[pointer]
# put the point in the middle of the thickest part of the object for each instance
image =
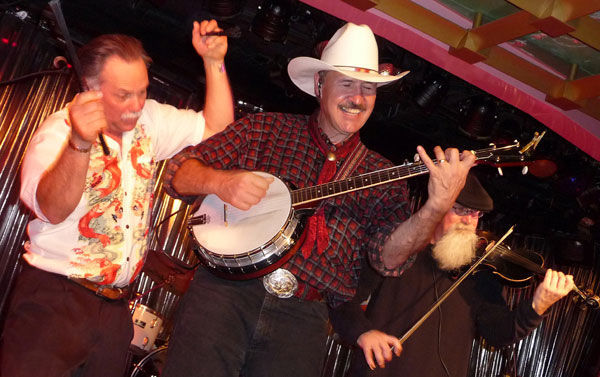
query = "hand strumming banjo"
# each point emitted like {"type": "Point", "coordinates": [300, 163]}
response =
{"type": "Point", "coordinates": [239, 245]}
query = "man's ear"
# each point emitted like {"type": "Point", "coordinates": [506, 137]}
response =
{"type": "Point", "coordinates": [317, 85]}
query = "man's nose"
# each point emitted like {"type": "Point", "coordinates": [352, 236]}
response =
{"type": "Point", "coordinates": [358, 96]}
{"type": "Point", "coordinates": [136, 103]}
{"type": "Point", "coordinates": [139, 102]}
{"type": "Point", "coordinates": [466, 219]}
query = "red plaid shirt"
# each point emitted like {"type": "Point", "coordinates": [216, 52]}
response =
{"type": "Point", "coordinates": [358, 223]}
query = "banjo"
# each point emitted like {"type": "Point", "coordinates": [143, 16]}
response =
{"type": "Point", "coordinates": [238, 245]}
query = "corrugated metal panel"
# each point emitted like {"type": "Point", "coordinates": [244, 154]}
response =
{"type": "Point", "coordinates": [23, 106]}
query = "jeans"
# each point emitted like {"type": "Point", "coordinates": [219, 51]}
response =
{"type": "Point", "coordinates": [235, 329]}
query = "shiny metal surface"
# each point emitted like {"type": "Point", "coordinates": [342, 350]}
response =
{"type": "Point", "coordinates": [23, 106]}
{"type": "Point", "coordinates": [280, 283]}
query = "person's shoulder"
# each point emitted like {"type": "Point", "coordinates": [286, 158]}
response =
{"type": "Point", "coordinates": [270, 120]}
{"type": "Point", "coordinates": [57, 119]}
{"type": "Point", "coordinates": [151, 110]}
{"type": "Point", "coordinates": [152, 106]}
{"type": "Point", "coordinates": [274, 116]}
{"type": "Point", "coordinates": [377, 160]}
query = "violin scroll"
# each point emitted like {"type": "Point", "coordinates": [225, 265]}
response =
{"type": "Point", "coordinates": [586, 298]}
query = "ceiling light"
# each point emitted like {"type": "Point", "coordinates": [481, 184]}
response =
{"type": "Point", "coordinates": [272, 21]}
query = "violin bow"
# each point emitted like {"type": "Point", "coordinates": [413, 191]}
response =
{"type": "Point", "coordinates": [58, 15]}
{"type": "Point", "coordinates": [488, 250]}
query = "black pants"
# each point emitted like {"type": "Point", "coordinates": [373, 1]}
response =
{"type": "Point", "coordinates": [234, 328]}
{"type": "Point", "coordinates": [56, 328]}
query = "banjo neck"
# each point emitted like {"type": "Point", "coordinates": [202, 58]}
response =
{"type": "Point", "coordinates": [308, 195]}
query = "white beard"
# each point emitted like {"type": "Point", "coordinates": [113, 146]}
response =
{"type": "Point", "coordinates": [456, 248]}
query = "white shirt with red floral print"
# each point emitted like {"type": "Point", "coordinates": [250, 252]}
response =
{"type": "Point", "coordinates": [104, 238]}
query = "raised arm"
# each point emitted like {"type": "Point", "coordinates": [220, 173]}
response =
{"type": "Point", "coordinates": [218, 107]}
{"type": "Point", "coordinates": [60, 188]}
{"type": "Point", "coordinates": [446, 180]}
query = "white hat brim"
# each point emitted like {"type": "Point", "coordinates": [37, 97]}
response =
{"type": "Point", "coordinates": [302, 73]}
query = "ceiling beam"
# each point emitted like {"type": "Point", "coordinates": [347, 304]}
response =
{"type": "Point", "coordinates": [423, 19]}
{"type": "Point", "coordinates": [493, 33]}
{"type": "Point", "coordinates": [584, 88]}
{"type": "Point", "coordinates": [522, 70]}
{"type": "Point", "coordinates": [503, 30]}
{"type": "Point", "coordinates": [361, 4]}
{"type": "Point", "coordinates": [592, 108]}
{"type": "Point", "coordinates": [587, 30]}
{"type": "Point", "coordinates": [577, 94]}
{"type": "Point", "coordinates": [553, 15]}
{"type": "Point", "coordinates": [562, 10]}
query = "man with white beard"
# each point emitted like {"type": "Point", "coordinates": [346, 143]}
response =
{"type": "Point", "coordinates": [441, 345]}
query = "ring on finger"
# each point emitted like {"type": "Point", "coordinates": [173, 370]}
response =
{"type": "Point", "coordinates": [442, 160]}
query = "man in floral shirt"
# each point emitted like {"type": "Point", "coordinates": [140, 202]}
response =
{"type": "Point", "coordinates": [69, 314]}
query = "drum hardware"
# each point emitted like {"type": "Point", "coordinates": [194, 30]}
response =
{"type": "Point", "coordinates": [150, 365]}
{"type": "Point", "coordinates": [146, 325]}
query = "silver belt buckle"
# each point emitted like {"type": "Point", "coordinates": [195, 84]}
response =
{"type": "Point", "coordinates": [280, 283]}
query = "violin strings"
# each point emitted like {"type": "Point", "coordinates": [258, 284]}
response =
{"type": "Point", "coordinates": [518, 259]}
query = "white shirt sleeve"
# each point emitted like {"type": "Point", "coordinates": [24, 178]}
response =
{"type": "Point", "coordinates": [42, 152]}
{"type": "Point", "coordinates": [172, 129]}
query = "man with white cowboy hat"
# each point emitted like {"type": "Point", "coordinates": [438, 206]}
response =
{"type": "Point", "coordinates": [252, 327]}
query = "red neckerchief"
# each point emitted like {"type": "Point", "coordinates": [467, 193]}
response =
{"type": "Point", "coordinates": [317, 226]}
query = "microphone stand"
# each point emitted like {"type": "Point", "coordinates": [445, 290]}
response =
{"type": "Point", "coordinates": [55, 6]}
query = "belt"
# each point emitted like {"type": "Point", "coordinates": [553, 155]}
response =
{"type": "Point", "coordinates": [106, 291]}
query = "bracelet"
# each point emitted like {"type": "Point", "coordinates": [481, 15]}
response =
{"type": "Point", "coordinates": [78, 148]}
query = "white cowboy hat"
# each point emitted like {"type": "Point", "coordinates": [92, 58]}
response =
{"type": "Point", "coordinates": [351, 51]}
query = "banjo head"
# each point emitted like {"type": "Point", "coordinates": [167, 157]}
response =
{"type": "Point", "coordinates": [230, 232]}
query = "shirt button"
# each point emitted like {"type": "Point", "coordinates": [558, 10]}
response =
{"type": "Point", "coordinates": [126, 226]}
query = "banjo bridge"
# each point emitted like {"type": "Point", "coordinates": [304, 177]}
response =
{"type": "Point", "coordinates": [199, 220]}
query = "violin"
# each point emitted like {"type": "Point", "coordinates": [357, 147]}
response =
{"type": "Point", "coordinates": [520, 267]}
{"type": "Point", "coordinates": [494, 250]}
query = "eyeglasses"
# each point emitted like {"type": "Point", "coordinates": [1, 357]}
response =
{"type": "Point", "coordinates": [464, 211]}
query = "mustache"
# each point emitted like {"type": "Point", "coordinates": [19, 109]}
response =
{"type": "Point", "coordinates": [353, 105]}
{"type": "Point", "coordinates": [461, 227]}
{"type": "Point", "coordinates": [131, 115]}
